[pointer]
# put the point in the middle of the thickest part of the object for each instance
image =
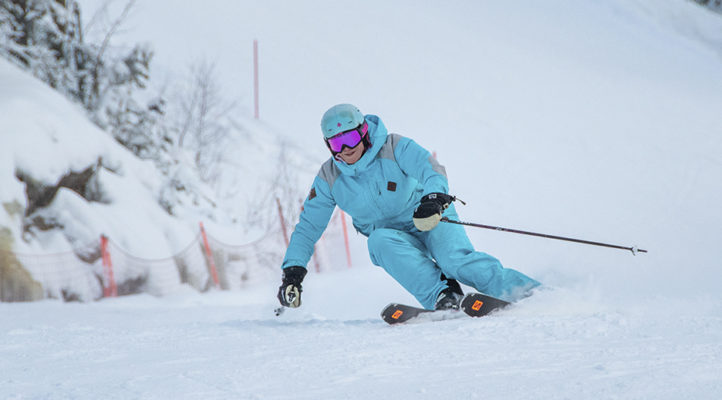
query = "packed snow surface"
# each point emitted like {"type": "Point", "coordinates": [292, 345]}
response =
{"type": "Point", "coordinates": [594, 119]}
{"type": "Point", "coordinates": [229, 345]}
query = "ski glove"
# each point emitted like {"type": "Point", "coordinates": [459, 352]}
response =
{"type": "Point", "coordinates": [289, 293]}
{"type": "Point", "coordinates": [428, 214]}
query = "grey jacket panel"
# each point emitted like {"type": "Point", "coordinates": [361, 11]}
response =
{"type": "Point", "coordinates": [438, 168]}
{"type": "Point", "coordinates": [387, 151]}
{"type": "Point", "coordinates": [329, 172]}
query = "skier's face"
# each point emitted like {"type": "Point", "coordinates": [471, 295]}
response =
{"type": "Point", "coordinates": [351, 155]}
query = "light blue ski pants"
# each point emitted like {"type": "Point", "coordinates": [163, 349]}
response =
{"type": "Point", "coordinates": [417, 259]}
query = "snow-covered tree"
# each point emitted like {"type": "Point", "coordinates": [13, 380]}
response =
{"type": "Point", "coordinates": [201, 120]}
{"type": "Point", "coordinates": [46, 37]}
{"type": "Point", "coordinates": [712, 4]}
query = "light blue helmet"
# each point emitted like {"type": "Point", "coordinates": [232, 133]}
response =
{"type": "Point", "coordinates": [340, 118]}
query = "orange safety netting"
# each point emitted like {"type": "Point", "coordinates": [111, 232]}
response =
{"type": "Point", "coordinates": [89, 273]}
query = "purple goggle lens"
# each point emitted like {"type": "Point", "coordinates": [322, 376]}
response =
{"type": "Point", "coordinates": [349, 138]}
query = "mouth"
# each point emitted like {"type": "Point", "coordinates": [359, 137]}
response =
{"type": "Point", "coordinates": [350, 152]}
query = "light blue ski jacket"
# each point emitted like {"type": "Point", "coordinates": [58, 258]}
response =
{"type": "Point", "coordinates": [380, 190]}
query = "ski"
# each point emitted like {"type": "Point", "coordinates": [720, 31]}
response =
{"type": "Point", "coordinates": [396, 313]}
{"type": "Point", "coordinates": [479, 304]}
{"type": "Point", "coordinates": [473, 305]}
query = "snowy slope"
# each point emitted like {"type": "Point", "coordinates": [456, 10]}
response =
{"type": "Point", "coordinates": [226, 345]}
{"type": "Point", "coordinates": [597, 119]}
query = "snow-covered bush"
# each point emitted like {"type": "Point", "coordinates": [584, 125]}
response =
{"type": "Point", "coordinates": [715, 5]}
{"type": "Point", "coordinates": [46, 38]}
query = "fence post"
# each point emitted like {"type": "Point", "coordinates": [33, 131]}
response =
{"type": "Point", "coordinates": [110, 289]}
{"type": "Point", "coordinates": [283, 221]}
{"type": "Point", "coordinates": [345, 238]}
{"type": "Point", "coordinates": [209, 256]}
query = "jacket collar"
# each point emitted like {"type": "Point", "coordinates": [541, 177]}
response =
{"type": "Point", "coordinates": [377, 136]}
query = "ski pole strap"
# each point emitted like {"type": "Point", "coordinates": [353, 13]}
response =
{"type": "Point", "coordinates": [633, 249]}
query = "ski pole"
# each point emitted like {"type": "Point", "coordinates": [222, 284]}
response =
{"type": "Point", "coordinates": [633, 249]}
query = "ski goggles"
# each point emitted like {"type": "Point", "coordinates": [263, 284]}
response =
{"type": "Point", "coordinates": [350, 138]}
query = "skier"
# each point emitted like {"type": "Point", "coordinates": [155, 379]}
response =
{"type": "Point", "coordinates": [396, 194]}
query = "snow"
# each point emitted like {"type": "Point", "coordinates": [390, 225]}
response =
{"type": "Point", "coordinates": [222, 345]}
{"type": "Point", "coordinates": [592, 119]}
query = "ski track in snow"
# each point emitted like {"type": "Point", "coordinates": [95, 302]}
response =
{"type": "Point", "coordinates": [230, 345]}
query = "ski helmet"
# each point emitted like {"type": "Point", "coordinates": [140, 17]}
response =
{"type": "Point", "coordinates": [340, 118]}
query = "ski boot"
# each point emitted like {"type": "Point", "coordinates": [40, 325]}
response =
{"type": "Point", "coordinates": [448, 300]}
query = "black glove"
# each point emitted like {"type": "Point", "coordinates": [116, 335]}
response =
{"type": "Point", "coordinates": [289, 293]}
{"type": "Point", "coordinates": [428, 214]}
